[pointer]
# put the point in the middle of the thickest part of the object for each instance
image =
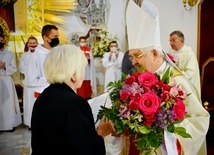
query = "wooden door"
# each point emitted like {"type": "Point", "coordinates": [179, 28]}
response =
{"type": "Point", "coordinates": [206, 62]}
{"type": "Point", "coordinates": [206, 50]}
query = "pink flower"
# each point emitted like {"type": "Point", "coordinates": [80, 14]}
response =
{"type": "Point", "coordinates": [174, 91]}
{"type": "Point", "coordinates": [182, 93]}
{"type": "Point", "coordinates": [171, 57]}
{"type": "Point", "coordinates": [133, 105]}
{"type": "Point", "coordinates": [149, 103]}
{"type": "Point", "coordinates": [147, 79]}
{"type": "Point", "coordinates": [179, 109]}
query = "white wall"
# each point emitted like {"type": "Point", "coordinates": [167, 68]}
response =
{"type": "Point", "coordinates": [173, 16]}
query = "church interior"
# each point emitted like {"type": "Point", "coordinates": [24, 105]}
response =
{"type": "Point", "coordinates": [20, 19]}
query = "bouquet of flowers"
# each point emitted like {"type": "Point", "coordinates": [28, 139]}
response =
{"type": "Point", "coordinates": [102, 45]}
{"type": "Point", "coordinates": [144, 106]}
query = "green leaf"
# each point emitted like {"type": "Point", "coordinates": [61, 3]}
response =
{"type": "Point", "coordinates": [171, 128]}
{"type": "Point", "coordinates": [166, 76]}
{"type": "Point", "coordinates": [143, 130]}
{"type": "Point", "coordinates": [182, 132]}
{"type": "Point", "coordinates": [119, 127]}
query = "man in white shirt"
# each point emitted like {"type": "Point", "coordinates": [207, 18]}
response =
{"type": "Point", "coordinates": [35, 77]}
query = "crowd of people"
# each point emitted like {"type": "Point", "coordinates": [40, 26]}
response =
{"type": "Point", "coordinates": [59, 79]}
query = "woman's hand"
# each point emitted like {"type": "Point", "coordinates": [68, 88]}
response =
{"type": "Point", "coordinates": [106, 128]}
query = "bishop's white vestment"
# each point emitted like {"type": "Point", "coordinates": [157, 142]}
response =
{"type": "Point", "coordinates": [10, 115]}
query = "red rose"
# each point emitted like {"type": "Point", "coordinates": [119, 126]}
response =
{"type": "Point", "coordinates": [179, 109]}
{"type": "Point", "coordinates": [147, 79]}
{"type": "Point", "coordinates": [133, 105]}
{"type": "Point", "coordinates": [130, 80]}
{"type": "Point", "coordinates": [149, 103]}
{"type": "Point", "coordinates": [124, 95]}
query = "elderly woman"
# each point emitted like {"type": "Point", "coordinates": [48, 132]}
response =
{"type": "Point", "coordinates": [62, 121]}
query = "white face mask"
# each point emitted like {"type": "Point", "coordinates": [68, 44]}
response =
{"type": "Point", "coordinates": [113, 49]}
{"type": "Point", "coordinates": [82, 44]}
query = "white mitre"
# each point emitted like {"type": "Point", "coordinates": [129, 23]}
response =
{"type": "Point", "coordinates": [143, 27]}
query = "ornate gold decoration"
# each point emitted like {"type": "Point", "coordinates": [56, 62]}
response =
{"type": "Point", "coordinates": [35, 16]}
{"type": "Point", "coordinates": [206, 105]}
{"type": "Point", "coordinates": [5, 29]}
{"type": "Point", "coordinates": [53, 12]}
{"type": "Point", "coordinates": [190, 2]}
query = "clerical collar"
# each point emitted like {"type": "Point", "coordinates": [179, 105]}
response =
{"type": "Point", "coordinates": [162, 68]}
{"type": "Point", "coordinates": [181, 49]}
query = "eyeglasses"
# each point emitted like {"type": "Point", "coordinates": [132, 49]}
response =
{"type": "Point", "coordinates": [174, 40]}
{"type": "Point", "coordinates": [136, 57]}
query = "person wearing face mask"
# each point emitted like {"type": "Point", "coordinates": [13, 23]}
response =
{"type": "Point", "coordinates": [89, 84]}
{"type": "Point", "coordinates": [34, 77]}
{"type": "Point", "coordinates": [10, 116]}
{"type": "Point", "coordinates": [28, 95]}
{"type": "Point", "coordinates": [112, 61]}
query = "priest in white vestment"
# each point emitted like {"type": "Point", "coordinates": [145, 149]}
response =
{"type": "Point", "coordinates": [35, 77]}
{"type": "Point", "coordinates": [185, 59]}
{"type": "Point", "coordinates": [112, 61]}
{"type": "Point", "coordinates": [10, 115]}
{"type": "Point", "coordinates": [28, 96]}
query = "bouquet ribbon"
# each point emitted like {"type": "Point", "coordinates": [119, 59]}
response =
{"type": "Point", "coordinates": [170, 144]}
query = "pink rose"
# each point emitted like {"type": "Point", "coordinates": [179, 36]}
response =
{"type": "Point", "coordinates": [147, 79]}
{"type": "Point", "coordinates": [133, 105]}
{"type": "Point", "coordinates": [179, 109]}
{"type": "Point", "coordinates": [149, 103]}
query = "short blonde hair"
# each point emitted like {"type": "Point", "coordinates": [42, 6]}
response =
{"type": "Point", "coordinates": [63, 62]}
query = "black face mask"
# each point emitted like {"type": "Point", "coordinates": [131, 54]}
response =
{"type": "Point", "coordinates": [1, 45]}
{"type": "Point", "coordinates": [54, 42]}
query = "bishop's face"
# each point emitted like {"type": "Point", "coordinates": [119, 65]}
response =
{"type": "Point", "coordinates": [142, 61]}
